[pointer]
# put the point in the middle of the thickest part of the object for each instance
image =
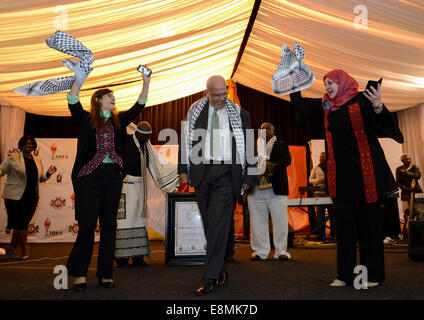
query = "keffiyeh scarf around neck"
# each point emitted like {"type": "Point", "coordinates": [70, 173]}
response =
{"type": "Point", "coordinates": [65, 43]}
{"type": "Point", "coordinates": [233, 111]}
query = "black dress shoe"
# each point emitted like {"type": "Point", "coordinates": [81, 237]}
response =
{"type": "Point", "coordinates": [106, 284]}
{"type": "Point", "coordinates": [256, 258]}
{"type": "Point", "coordinates": [208, 287]}
{"type": "Point", "coordinates": [79, 287]}
{"type": "Point", "coordinates": [223, 279]}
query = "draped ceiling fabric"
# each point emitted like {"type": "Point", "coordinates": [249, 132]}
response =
{"type": "Point", "coordinates": [186, 41]}
{"type": "Point", "coordinates": [389, 45]}
{"type": "Point", "coordinates": [183, 41]}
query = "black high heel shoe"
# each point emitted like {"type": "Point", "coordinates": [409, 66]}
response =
{"type": "Point", "coordinates": [80, 287]}
{"type": "Point", "coordinates": [106, 284]}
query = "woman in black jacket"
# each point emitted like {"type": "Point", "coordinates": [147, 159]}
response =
{"type": "Point", "coordinates": [358, 175]}
{"type": "Point", "coordinates": [97, 179]}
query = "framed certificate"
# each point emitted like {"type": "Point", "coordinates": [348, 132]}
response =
{"type": "Point", "coordinates": [185, 237]}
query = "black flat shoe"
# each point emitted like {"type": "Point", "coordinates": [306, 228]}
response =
{"type": "Point", "coordinates": [208, 287]}
{"type": "Point", "coordinates": [107, 284]}
{"type": "Point", "coordinates": [139, 261]}
{"type": "Point", "coordinates": [223, 279]}
{"type": "Point", "coordinates": [79, 287]}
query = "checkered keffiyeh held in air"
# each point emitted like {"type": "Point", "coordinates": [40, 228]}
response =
{"type": "Point", "coordinates": [65, 43]}
{"type": "Point", "coordinates": [292, 74]}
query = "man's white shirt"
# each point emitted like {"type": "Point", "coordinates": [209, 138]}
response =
{"type": "Point", "coordinates": [223, 134]}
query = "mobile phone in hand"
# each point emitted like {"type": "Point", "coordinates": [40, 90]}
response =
{"type": "Point", "coordinates": [373, 84]}
{"type": "Point", "coordinates": [144, 70]}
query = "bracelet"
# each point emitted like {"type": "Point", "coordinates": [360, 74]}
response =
{"type": "Point", "coordinates": [381, 104]}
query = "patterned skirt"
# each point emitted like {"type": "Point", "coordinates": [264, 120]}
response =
{"type": "Point", "coordinates": [132, 238]}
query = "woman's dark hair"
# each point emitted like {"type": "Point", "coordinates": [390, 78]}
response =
{"type": "Point", "coordinates": [97, 121]}
{"type": "Point", "coordinates": [24, 139]}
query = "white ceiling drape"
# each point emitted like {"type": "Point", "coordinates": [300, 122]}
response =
{"type": "Point", "coordinates": [367, 38]}
{"type": "Point", "coordinates": [183, 41]}
{"type": "Point", "coordinates": [186, 41]}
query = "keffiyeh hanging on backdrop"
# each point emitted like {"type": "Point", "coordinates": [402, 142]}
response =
{"type": "Point", "coordinates": [65, 43]}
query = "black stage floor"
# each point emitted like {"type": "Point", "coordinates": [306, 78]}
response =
{"type": "Point", "coordinates": [306, 277]}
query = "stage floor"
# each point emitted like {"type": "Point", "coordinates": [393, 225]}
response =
{"type": "Point", "coordinates": [306, 277]}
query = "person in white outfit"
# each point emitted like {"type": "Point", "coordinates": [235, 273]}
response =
{"type": "Point", "coordinates": [270, 198]}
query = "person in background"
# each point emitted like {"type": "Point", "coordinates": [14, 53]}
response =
{"type": "Point", "coordinates": [21, 192]}
{"type": "Point", "coordinates": [405, 174]}
{"type": "Point", "coordinates": [97, 179]}
{"type": "Point", "coordinates": [270, 198]}
{"type": "Point", "coordinates": [132, 239]}
{"type": "Point", "coordinates": [317, 179]}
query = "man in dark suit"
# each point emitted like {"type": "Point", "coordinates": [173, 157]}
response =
{"type": "Point", "coordinates": [216, 167]}
{"type": "Point", "coordinates": [270, 197]}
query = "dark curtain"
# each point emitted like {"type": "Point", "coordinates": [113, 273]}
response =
{"type": "Point", "coordinates": [266, 108]}
{"type": "Point", "coordinates": [49, 127]}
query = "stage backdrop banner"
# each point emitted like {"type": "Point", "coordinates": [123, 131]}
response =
{"type": "Point", "coordinates": [54, 220]}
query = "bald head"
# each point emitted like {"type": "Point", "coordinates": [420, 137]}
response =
{"type": "Point", "coordinates": [216, 81]}
{"type": "Point", "coordinates": [216, 91]}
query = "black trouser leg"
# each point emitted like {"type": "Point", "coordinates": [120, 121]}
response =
{"type": "Point", "coordinates": [359, 223]}
{"type": "Point", "coordinates": [370, 237]}
{"type": "Point", "coordinates": [231, 241]}
{"type": "Point", "coordinates": [216, 199]}
{"type": "Point", "coordinates": [109, 204]}
{"type": "Point", "coordinates": [96, 197]}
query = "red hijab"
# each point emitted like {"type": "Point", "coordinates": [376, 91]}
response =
{"type": "Point", "coordinates": [348, 88]}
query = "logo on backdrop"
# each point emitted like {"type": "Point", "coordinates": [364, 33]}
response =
{"type": "Point", "coordinates": [53, 151]}
{"type": "Point", "coordinates": [47, 224]}
{"type": "Point", "coordinates": [33, 229]}
{"type": "Point", "coordinates": [73, 229]}
{"type": "Point", "coordinates": [12, 150]}
{"type": "Point", "coordinates": [47, 231]}
{"type": "Point", "coordinates": [58, 203]}
{"type": "Point", "coordinates": [59, 177]}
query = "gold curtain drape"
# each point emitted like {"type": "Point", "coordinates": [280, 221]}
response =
{"type": "Point", "coordinates": [183, 41]}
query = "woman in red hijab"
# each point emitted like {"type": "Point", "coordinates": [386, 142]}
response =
{"type": "Point", "coordinates": [358, 175]}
